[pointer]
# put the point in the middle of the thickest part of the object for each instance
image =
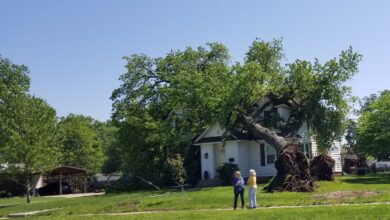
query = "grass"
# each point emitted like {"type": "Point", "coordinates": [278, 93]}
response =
{"type": "Point", "coordinates": [353, 191]}
{"type": "Point", "coordinates": [379, 212]}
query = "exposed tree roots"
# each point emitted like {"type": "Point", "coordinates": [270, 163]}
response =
{"type": "Point", "coordinates": [292, 171]}
{"type": "Point", "coordinates": [321, 167]}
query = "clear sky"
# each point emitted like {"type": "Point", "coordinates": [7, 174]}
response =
{"type": "Point", "coordinates": [74, 48]}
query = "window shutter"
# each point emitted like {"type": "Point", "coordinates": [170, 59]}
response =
{"type": "Point", "coordinates": [262, 155]}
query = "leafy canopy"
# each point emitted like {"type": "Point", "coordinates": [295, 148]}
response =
{"type": "Point", "coordinates": [81, 144]}
{"type": "Point", "coordinates": [164, 102]}
{"type": "Point", "coordinates": [373, 130]}
{"type": "Point", "coordinates": [31, 135]}
{"type": "Point", "coordinates": [27, 123]}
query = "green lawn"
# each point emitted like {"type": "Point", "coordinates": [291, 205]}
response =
{"type": "Point", "coordinates": [346, 189]}
{"type": "Point", "coordinates": [366, 212]}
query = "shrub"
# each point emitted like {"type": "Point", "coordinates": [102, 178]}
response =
{"type": "Point", "coordinates": [226, 172]}
{"type": "Point", "coordinates": [176, 168]}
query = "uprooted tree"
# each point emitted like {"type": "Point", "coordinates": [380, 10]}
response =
{"type": "Point", "coordinates": [167, 101]}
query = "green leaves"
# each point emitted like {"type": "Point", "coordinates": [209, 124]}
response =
{"type": "Point", "coordinates": [31, 128]}
{"type": "Point", "coordinates": [81, 145]}
{"type": "Point", "coordinates": [14, 79]}
{"type": "Point", "coordinates": [373, 130]}
{"type": "Point", "coordinates": [164, 102]}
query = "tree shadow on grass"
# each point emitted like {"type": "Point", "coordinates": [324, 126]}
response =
{"type": "Point", "coordinates": [6, 206]}
{"type": "Point", "coordinates": [372, 179]}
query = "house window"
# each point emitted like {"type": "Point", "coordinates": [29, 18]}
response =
{"type": "Point", "coordinates": [206, 156]}
{"type": "Point", "coordinates": [267, 117]}
{"type": "Point", "coordinates": [231, 160]}
{"type": "Point", "coordinates": [271, 154]}
{"type": "Point", "coordinates": [301, 147]}
{"type": "Point", "coordinates": [306, 149]}
{"type": "Point", "coordinates": [262, 155]}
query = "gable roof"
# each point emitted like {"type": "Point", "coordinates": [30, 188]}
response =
{"type": "Point", "coordinates": [236, 135]}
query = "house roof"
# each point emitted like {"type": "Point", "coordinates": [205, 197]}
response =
{"type": "Point", "coordinates": [64, 169]}
{"type": "Point", "coordinates": [237, 135]}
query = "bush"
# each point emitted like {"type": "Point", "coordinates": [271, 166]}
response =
{"type": "Point", "coordinates": [176, 169]}
{"type": "Point", "coordinates": [226, 172]}
{"type": "Point", "coordinates": [192, 165]}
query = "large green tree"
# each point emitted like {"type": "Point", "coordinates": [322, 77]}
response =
{"type": "Point", "coordinates": [163, 103]}
{"type": "Point", "coordinates": [373, 130]}
{"type": "Point", "coordinates": [27, 126]}
{"type": "Point", "coordinates": [81, 145]}
{"type": "Point", "coordinates": [14, 82]}
{"type": "Point", "coordinates": [31, 146]}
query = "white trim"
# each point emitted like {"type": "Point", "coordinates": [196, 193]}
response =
{"type": "Point", "coordinates": [202, 134]}
{"type": "Point", "coordinates": [218, 142]}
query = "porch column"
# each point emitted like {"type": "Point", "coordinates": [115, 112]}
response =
{"type": "Point", "coordinates": [85, 183]}
{"type": "Point", "coordinates": [60, 183]}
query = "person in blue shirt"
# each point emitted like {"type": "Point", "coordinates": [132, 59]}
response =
{"type": "Point", "coordinates": [239, 188]}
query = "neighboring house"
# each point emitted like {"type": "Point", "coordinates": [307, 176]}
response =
{"type": "Point", "coordinates": [218, 148]}
{"type": "Point", "coordinates": [383, 165]}
{"type": "Point", "coordinates": [106, 179]}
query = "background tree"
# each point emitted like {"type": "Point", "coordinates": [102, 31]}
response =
{"type": "Point", "coordinates": [107, 134]}
{"type": "Point", "coordinates": [179, 95]}
{"type": "Point", "coordinates": [373, 130]}
{"type": "Point", "coordinates": [14, 82]}
{"type": "Point", "coordinates": [81, 144]}
{"type": "Point", "coordinates": [350, 135]}
{"type": "Point", "coordinates": [27, 126]}
{"type": "Point", "coordinates": [31, 147]}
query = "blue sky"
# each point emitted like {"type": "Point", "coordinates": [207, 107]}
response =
{"type": "Point", "coordinates": [74, 48]}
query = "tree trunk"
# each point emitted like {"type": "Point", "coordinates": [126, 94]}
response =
{"type": "Point", "coordinates": [28, 195]}
{"type": "Point", "coordinates": [292, 166]}
{"type": "Point", "coordinates": [261, 132]}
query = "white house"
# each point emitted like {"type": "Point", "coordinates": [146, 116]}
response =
{"type": "Point", "coordinates": [247, 153]}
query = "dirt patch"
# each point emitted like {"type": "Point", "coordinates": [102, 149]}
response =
{"type": "Point", "coordinates": [129, 206]}
{"type": "Point", "coordinates": [346, 194]}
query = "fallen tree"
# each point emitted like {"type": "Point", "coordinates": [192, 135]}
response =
{"type": "Point", "coordinates": [176, 96]}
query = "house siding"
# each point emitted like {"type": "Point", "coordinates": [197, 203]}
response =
{"type": "Point", "coordinates": [246, 154]}
{"type": "Point", "coordinates": [231, 151]}
{"type": "Point", "coordinates": [335, 153]}
{"type": "Point", "coordinates": [254, 160]}
{"type": "Point", "coordinates": [243, 158]}
{"type": "Point", "coordinates": [214, 131]}
{"type": "Point", "coordinates": [314, 148]}
{"type": "Point", "coordinates": [284, 112]}
{"type": "Point", "coordinates": [207, 164]}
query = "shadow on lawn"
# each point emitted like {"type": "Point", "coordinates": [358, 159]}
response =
{"type": "Point", "coordinates": [372, 179]}
{"type": "Point", "coordinates": [5, 206]}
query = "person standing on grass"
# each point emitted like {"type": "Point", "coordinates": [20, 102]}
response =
{"type": "Point", "coordinates": [239, 188]}
{"type": "Point", "coordinates": [252, 186]}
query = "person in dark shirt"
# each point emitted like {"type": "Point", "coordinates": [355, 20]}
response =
{"type": "Point", "coordinates": [239, 188]}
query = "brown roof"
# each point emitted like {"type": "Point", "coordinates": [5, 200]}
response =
{"type": "Point", "coordinates": [64, 169]}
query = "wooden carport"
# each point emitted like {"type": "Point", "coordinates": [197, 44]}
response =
{"type": "Point", "coordinates": [75, 177]}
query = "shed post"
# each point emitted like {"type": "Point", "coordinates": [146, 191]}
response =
{"type": "Point", "coordinates": [60, 183]}
{"type": "Point", "coordinates": [85, 183]}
